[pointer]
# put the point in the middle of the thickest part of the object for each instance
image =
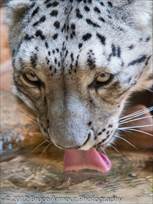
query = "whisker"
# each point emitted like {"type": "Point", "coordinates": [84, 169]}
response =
{"type": "Point", "coordinates": [101, 149]}
{"type": "Point", "coordinates": [30, 117]}
{"type": "Point", "coordinates": [140, 131]}
{"type": "Point", "coordinates": [132, 118]}
{"type": "Point", "coordinates": [45, 149]}
{"type": "Point", "coordinates": [150, 90]}
{"type": "Point", "coordinates": [39, 145]}
{"type": "Point", "coordinates": [128, 121]}
{"type": "Point", "coordinates": [136, 114]}
{"type": "Point", "coordinates": [132, 114]}
{"type": "Point", "coordinates": [132, 145]}
{"type": "Point", "coordinates": [115, 148]}
{"type": "Point", "coordinates": [138, 126]}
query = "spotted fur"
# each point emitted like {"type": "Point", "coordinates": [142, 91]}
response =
{"type": "Point", "coordinates": [67, 44]}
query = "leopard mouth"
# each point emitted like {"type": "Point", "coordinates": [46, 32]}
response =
{"type": "Point", "coordinates": [75, 160]}
{"type": "Point", "coordinates": [93, 159]}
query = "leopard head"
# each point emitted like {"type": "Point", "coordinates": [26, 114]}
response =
{"type": "Point", "coordinates": [77, 62]}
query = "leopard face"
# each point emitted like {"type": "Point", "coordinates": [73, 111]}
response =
{"type": "Point", "coordinates": [76, 62]}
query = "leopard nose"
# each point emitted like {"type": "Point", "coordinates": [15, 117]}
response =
{"type": "Point", "coordinates": [69, 144]}
{"type": "Point", "coordinates": [73, 143]}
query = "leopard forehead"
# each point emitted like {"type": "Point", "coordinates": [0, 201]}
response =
{"type": "Point", "coordinates": [67, 35]}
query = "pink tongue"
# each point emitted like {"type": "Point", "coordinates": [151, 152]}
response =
{"type": "Point", "coordinates": [75, 160]}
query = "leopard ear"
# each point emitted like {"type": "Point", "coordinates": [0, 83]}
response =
{"type": "Point", "coordinates": [136, 12]}
{"type": "Point", "coordinates": [15, 10]}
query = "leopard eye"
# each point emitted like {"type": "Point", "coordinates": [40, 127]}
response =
{"type": "Point", "coordinates": [30, 78]}
{"type": "Point", "coordinates": [102, 80]}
